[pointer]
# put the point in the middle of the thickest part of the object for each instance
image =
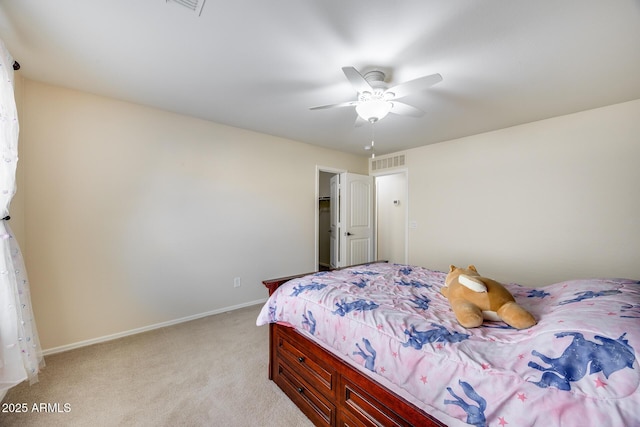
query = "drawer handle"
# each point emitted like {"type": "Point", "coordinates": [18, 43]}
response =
{"type": "Point", "coordinates": [300, 390]}
{"type": "Point", "coordinates": [301, 359]}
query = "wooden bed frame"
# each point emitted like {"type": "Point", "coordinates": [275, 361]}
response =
{"type": "Point", "coordinates": [329, 391]}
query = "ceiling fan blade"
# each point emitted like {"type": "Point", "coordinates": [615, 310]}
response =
{"type": "Point", "coordinates": [342, 104]}
{"type": "Point", "coordinates": [359, 83]}
{"type": "Point", "coordinates": [405, 109]}
{"type": "Point", "coordinates": [416, 85]}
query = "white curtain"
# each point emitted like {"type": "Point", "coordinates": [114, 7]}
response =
{"type": "Point", "coordinates": [20, 352]}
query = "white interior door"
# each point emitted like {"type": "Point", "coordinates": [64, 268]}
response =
{"type": "Point", "coordinates": [356, 215]}
{"type": "Point", "coordinates": [334, 229]}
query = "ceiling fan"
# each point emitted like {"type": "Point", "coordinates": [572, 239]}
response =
{"type": "Point", "coordinates": [376, 100]}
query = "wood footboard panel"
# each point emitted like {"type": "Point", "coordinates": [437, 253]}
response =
{"type": "Point", "coordinates": [328, 390]}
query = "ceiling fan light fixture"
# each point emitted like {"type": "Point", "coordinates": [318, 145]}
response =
{"type": "Point", "coordinates": [373, 110]}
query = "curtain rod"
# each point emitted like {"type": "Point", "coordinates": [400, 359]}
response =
{"type": "Point", "coordinates": [16, 66]}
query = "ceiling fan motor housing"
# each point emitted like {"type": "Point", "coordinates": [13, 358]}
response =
{"type": "Point", "coordinates": [376, 80]}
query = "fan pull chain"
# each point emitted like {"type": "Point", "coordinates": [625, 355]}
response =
{"type": "Point", "coordinates": [373, 142]}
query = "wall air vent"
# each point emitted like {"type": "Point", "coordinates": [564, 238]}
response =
{"type": "Point", "coordinates": [388, 162]}
{"type": "Point", "coordinates": [193, 5]}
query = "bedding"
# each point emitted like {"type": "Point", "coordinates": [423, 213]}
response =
{"type": "Point", "coordinates": [576, 367]}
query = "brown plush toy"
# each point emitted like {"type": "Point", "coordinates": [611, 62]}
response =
{"type": "Point", "coordinates": [474, 298]}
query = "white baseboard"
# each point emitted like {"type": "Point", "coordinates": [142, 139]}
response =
{"type": "Point", "coordinates": [106, 338]}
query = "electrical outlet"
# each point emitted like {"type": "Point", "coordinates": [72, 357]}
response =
{"type": "Point", "coordinates": [236, 282]}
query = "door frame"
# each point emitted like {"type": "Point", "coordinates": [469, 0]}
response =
{"type": "Point", "coordinates": [405, 205]}
{"type": "Point", "coordinates": [316, 222]}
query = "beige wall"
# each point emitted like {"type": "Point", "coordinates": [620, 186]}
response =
{"type": "Point", "coordinates": [535, 204]}
{"type": "Point", "coordinates": [135, 216]}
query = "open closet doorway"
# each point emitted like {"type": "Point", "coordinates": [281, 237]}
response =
{"type": "Point", "coordinates": [326, 232]}
{"type": "Point", "coordinates": [391, 217]}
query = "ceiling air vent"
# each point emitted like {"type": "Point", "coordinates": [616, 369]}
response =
{"type": "Point", "coordinates": [193, 5]}
{"type": "Point", "coordinates": [389, 162]}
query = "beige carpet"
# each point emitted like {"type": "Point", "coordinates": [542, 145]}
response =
{"type": "Point", "coordinates": [207, 372]}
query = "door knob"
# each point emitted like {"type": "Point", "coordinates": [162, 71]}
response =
{"type": "Point", "coordinates": [348, 234]}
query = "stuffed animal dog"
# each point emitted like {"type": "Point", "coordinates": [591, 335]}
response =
{"type": "Point", "coordinates": [474, 298]}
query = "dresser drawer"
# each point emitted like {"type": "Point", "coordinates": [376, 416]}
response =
{"type": "Point", "coordinates": [306, 364]}
{"type": "Point", "coordinates": [364, 410]}
{"type": "Point", "coordinates": [316, 407]}
{"type": "Point", "coordinates": [345, 419]}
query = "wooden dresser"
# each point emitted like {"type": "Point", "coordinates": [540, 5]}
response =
{"type": "Point", "coordinates": [329, 391]}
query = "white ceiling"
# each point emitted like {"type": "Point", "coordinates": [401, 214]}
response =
{"type": "Point", "coordinates": [259, 64]}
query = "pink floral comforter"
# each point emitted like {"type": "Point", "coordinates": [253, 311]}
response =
{"type": "Point", "coordinates": [576, 367]}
